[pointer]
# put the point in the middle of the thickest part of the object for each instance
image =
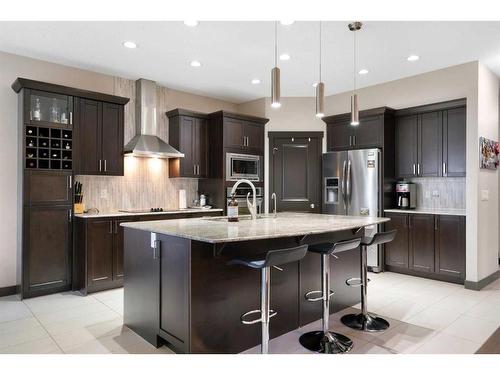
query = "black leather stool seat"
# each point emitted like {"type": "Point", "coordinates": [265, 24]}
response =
{"type": "Point", "coordinates": [379, 238]}
{"type": "Point", "coordinates": [272, 258]}
{"type": "Point", "coordinates": [335, 247]}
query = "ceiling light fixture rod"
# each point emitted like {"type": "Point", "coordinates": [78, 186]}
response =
{"type": "Point", "coordinates": [320, 87]}
{"type": "Point", "coordinates": [355, 26]}
{"type": "Point", "coordinates": [275, 73]}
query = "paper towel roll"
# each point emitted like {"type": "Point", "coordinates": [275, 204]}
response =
{"type": "Point", "coordinates": [182, 199]}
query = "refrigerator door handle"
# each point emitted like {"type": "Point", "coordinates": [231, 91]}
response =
{"type": "Point", "coordinates": [343, 185]}
{"type": "Point", "coordinates": [348, 184]}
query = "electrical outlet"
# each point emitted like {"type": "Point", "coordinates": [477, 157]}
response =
{"type": "Point", "coordinates": [427, 194]}
{"type": "Point", "coordinates": [485, 195]}
{"type": "Point", "coordinates": [104, 193]}
{"type": "Point", "coordinates": [435, 193]}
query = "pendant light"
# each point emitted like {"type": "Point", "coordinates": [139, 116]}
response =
{"type": "Point", "coordinates": [275, 73]}
{"type": "Point", "coordinates": [355, 26]}
{"type": "Point", "coordinates": [320, 87]}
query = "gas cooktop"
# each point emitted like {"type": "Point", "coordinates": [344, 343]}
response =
{"type": "Point", "coordinates": [143, 210]}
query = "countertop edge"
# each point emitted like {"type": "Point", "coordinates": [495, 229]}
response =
{"type": "Point", "coordinates": [430, 211]}
{"type": "Point", "coordinates": [126, 214]}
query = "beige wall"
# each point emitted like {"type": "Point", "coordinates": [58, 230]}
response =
{"type": "Point", "coordinates": [13, 66]}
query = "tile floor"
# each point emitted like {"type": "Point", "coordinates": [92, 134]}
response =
{"type": "Point", "coordinates": [426, 317]}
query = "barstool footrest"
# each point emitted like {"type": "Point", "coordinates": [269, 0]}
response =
{"type": "Point", "coordinates": [320, 298]}
{"type": "Point", "coordinates": [272, 314]}
{"type": "Point", "coordinates": [355, 282]}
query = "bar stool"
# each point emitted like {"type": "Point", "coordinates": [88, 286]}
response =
{"type": "Point", "coordinates": [364, 321]}
{"type": "Point", "coordinates": [325, 341]}
{"type": "Point", "coordinates": [272, 258]}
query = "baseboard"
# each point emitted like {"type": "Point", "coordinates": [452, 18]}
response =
{"type": "Point", "coordinates": [8, 290]}
{"type": "Point", "coordinates": [478, 285]}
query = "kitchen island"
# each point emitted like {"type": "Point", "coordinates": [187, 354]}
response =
{"type": "Point", "coordinates": [180, 292]}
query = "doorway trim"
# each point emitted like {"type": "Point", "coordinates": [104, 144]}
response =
{"type": "Point", "coordinates": [272, 135]}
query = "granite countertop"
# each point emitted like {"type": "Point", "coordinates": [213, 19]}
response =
{"type": "Point", "coordinates": [218, 229]}
{"type": "Point", "coordinates": [431, 211]}
{"type": "Point", "coordinates": [168, 212]}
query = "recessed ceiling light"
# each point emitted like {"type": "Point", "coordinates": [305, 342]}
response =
{"type": "Point", "coordinates": [255, 81]}
{"type": "Point", "coordinates": [284, 57]}
{"type": "Point", "coordinates": [195, 63]}
{"type": "Point", "coordinates": [315, 84]}
{"type": "Point", "coordinates": [413, 58]}
{"type": "Point", "coordinates": [363, 71]}
{"type": "Point", "coordinates": [191, 23]}
{"type": "Point", "coordinates": [287, 22]}
{"type": "Point", "coordinates": [129, 44]}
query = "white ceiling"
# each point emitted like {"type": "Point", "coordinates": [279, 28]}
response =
{"type": "Point", "coordinates": [233, 53]}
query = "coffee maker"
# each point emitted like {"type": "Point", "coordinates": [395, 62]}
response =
{"type": "Point", "coordinates": [406, 195]}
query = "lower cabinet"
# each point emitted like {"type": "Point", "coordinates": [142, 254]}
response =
{"type": "Point", "coordinates": [430, 246]}
{"type": "Point", "coordinates": [47, 250]}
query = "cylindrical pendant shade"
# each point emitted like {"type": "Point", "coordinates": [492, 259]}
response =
{"type": "Point", "coordinates": [275, 87]}
{"type": "Point", "coordinates": [320, 99]}
{"type": "Point", "coordinates": [354, 110]}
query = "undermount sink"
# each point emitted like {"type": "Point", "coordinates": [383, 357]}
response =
{"type": "Point", "coordinates": [240, 218]}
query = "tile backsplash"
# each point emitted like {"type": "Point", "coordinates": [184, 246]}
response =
{"type": "Point", "coordinates": [440, 192]}
{"type": "Point", "coordinates": [145, 183]}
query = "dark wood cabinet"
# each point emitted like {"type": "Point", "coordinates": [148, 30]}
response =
{"type": "Point", "coordinates": [243, 134]}
{"type": "Point", "coordinates": [47, 250]}
{"type": "Point", "coordinates": [450, 246]}
{"type": "Point", "coordinates": [188, 133]}
{"type": "Point", "coordinates": [48, 188]}
{"type": "Point", "coordinates": [430, 246]}
{"type": "Point", "coordinates": [406, 146]}
{"type": "Point", "coordinates": [396, 252]}
{"type": "Point", "coordinates": [99, 134]}
{"type": "Point", "coordinates": [375, 129]}
{"type": "Point", "coordinates": [431, 140]}
{"type": "Point", "coordinates": [454, 142]}
{"type": "Point", "coordinates": [421, 242]}
{"type": "Point", "coordinates": [100, 251]}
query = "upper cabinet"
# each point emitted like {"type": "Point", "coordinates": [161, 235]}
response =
{"type": "Point", "coordinates": [100, 138]}
{"type": "Point", "coordinates": [48, 109]}
{"type": "Point", "coordinates": [374, 130]}
{"type": "Point", "coordinates": [188, 133]}
{"type": "Point", "coordinates": [431, 140]}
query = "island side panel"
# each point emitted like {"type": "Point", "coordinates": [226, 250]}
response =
{"type": "Point", "coordinates": [141, 311]}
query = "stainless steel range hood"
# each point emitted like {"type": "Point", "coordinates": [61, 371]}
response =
{"type": "Point", "coordinates": [145, 142]}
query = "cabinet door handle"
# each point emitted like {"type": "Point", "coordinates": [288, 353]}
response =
{"type": "Point", "coordinates": [31, 115]}
{"type": "Point", "coordinates": [194, 169]}
{"type": "Point", "coordinates": [414, 169]}
{"type": "Point", "coordinates": [198, 169]}
{"type": "Point", "coordinates": [71, 118]}
{"type": "Point", "coordinates": [350, 140]}
{"type": "Point", "coordinates": [354, 140]}
{"type": "Point", "coordinates": [418, 169]}
{"type": "Point", "coordinates": [116, 226]}
{"type": "Point", "coordinates": [156, 250]}
{"type": "Point", "coordinates": [70, 215]}
{"type": "Point", "coordinates": [444, 169]}
{"type": "Point", "coordinates": [105, 165]}
{"type": "Point", "coordinates": [70, 182]}
{"type": "Point", "coordinates": [110, 231]}
{"type": "Point", "coordinates": [409, 221]}
{"type": "Point", "coordinates": [100, 165]}
{"type": "Point", "coordinates": [435, 223]}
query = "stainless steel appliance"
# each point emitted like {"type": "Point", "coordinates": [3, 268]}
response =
{"type": "Point", "coordinates": [241, 197]}
{"type": "Point", "coordinates": [243, 166]}
{"type": "Point", "coordinates": [406, 194]}
{"type": "Point", "coordinates": [352, 185]}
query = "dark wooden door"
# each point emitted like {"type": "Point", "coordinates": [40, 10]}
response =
{"type": "Point", "coordinates": [100, 251]}
{"type": "Point", "coordinates": [396, 252]}
{"type": "Point", "coordinates": [89, 136]}
{"type": "Point", "coordinates": [118, 246]}
{"type": "Point", "coordinates": [233, 133]}
{"type": "Point", "coordinates": [421, 242]}
{"type": "Point", "coordinates": [295, 171]}
{"type": "Point", "coordinates": [200, 142]}
{"type": "Point", "coordinates": [450, 246]}
{"type": "Point", "coordinates": [429, 144]}
{"type": "Point", "coordinates": [47, 244]}
{"type": "Point", "coordinates": [112, 139]}
{"type": "Point", "coordinates": [47, 187]}
{"type": "Point", "coordinates": [406, 145]}
{"type": "Point", "coordinates": [339, 136]}
{"type": "Point", "coordinates": [454, 142]}
{"type": "Point", "coordinates": [369, 132]}
{"type": "Point", "coordinates": [254, 134]}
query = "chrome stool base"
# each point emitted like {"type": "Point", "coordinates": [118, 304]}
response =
{"type": "Point", "coordinates": [329, 343]}
{"type": "Point", "coordinates": [366, 322]}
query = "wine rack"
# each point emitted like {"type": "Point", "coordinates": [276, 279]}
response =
{"type": "Point", "coordinates": [48, 148]}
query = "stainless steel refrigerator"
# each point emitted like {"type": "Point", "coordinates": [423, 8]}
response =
{"type": "Point", "coordinates": [351, 186]}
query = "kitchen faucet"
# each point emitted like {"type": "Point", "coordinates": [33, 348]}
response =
{"type": "Point", "coordinates": [252, 207]}
{"type": "Point", "coordinates": [273, 197]}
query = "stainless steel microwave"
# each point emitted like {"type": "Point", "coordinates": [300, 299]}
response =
{"type": "Point", "coordinates": [240, 166]}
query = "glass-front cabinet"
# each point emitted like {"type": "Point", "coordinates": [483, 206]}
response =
{"type": "Point", "coordinates": [49, 109]}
